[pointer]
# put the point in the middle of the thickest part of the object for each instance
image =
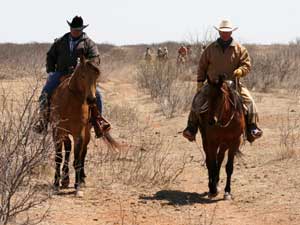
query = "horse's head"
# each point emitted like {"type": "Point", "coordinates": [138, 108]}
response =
{"type": "Point", "coordinates": [84, 79]}
{"type": "Point", "coordinates": [216, 98]}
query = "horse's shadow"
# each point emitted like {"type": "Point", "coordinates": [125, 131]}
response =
{"type": "Point", "coordinates": [48, 188]}
{"type": "Point", "coordinates": [175, 197]}
{"type": "Point", "coordinates": [66, 192]}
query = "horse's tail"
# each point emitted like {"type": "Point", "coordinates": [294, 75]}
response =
{"type": "Point", "coordinates": [110, 141]}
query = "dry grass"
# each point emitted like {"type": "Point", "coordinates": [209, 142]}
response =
{"type": "Point", "coordinates": [146, 158]}
{"type": "Point", "coordinates": [147, 163]}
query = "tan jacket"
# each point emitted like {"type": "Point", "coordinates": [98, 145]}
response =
{"type": "Point", "coordinates": [215, 62]}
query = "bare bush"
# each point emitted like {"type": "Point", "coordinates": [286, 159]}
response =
{"type": "Point", "coordinates": [163, 82]}
{"type": "Point", "coordinates": [273, 67]}
{"type": "Point", "coordinates": [289, 136]}
{"type": "Point", "coordinates": [145, 160]}
{"type": "Point", "coordinates": [21, 153]}
{"type": "Point", "coordinates": [177, 99]}
{"type": "Point", "coordinates": [157, 77]}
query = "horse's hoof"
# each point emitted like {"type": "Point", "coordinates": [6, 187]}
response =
{"type": "Point", "coordinates": [213, 195]}
{"type": "Point", "coordinates": [55, 189]}
{"type": "Point", "coordinates": [64, 185]}
{"type": "Point", "coordinates": [82, 185]}
{"type": "Point", "coordinates": [227, 196]}
{"type": "Point", "coordinates": [79, 194]}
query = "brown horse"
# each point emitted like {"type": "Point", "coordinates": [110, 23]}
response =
{"type": "Point", "coordinates": [222, 129]}
{"type": "Point", "coordinates": [70, 115]}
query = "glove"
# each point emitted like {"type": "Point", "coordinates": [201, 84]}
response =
{"type": "Point", "coordinates": [238, 73]}
{"type": "Point", "coordinates": [199, 86]}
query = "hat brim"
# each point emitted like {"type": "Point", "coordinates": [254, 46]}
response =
{"type": "Point", "coordinates": [77, 28]}
{"type": "Point", "coordinates": [226, 29]}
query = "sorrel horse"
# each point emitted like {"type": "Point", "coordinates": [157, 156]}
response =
{"type": "Point", "coordinates": [70, 115]}
{"type": "Point", "coordinates": [222, 129]}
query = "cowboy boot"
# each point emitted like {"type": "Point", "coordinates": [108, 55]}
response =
{"type": "Point", "coordinates": [43, 118]}
{"type": "Point", "coordinates": [100, 124]}
{"type": "Point", "coordinates": [253, 132]}
{"type": "Point", "coordinates": [188, 134]}
{"type": "Point", "coordinates": [192, 127]}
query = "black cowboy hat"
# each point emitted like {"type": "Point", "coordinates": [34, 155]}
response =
{"type": "Point", "coordinates": [77, 23]}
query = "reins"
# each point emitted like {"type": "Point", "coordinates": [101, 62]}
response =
{"type": "Point", "coordinates": [237, 87]}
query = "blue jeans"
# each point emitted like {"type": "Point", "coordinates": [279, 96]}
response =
{"type": "Point", "coordinates": [99, 101]}
{"type": "Point", "coordinates": [52, 83]}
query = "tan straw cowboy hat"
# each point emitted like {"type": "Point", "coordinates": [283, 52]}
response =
{"type": "Point", "coordinates": [226, 26]}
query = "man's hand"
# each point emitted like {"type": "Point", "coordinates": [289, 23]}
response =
{"type": "Point", "coordinates": [199, 86]}
{"type": "Point", "coordinates": [238, 73]}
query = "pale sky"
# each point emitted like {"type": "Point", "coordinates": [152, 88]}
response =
{"type": "Point", "coordinates": [150, 21]}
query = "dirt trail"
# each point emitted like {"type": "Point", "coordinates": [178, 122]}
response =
{"type": "Point", "coordinates": [266, 190]}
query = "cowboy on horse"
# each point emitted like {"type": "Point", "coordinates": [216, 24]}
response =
{"type": "Point", "coordinates": [160, 54]}
{"type": "Point", "coordinates": [166, 53]}
{"type": "Point", "coordinates": [148, 55]}
{"type": "Point", "coordinates": [224, 56]}
{"type": "Point", "coordinates": [182, 54]}
{"type": "Point", "coordinates": [61, 61]}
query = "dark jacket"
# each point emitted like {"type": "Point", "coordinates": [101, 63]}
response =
{"type": "Point", "coordinates": [60, 58]}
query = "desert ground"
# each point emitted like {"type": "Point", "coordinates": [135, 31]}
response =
{"type": "Point", "coordinates": [159, 177]}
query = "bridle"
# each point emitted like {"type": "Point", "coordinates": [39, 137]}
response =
{"type": "Point", "coordinates": [234, 104]}
{"type": "Point", "coordinates": [75, 92]}
{"type": "Point", "coordinates": [222, 112]}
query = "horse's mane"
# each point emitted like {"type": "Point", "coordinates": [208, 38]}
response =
{"type": "Point", "coordinates": [228, 88]}
{"type": "Point", "coordinates": [234, 96]}
{"type": "Point", "coordinates": [94, 65]}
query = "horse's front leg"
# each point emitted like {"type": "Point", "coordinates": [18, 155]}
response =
{"type": "Point", "coordinates": [58, 161]}
{"type": "Point", "coordinates": [65, 176]}
{"type": "Point", "coordinates": [83, 155]}
{"type": "Point", "coordinates": [78, 148]}
{"type": "Point", "coordinates": [211, 163]}
{"type": "Point", "coordinates": [220, 158]}
{"type": "Point", "coordinates": [82, 173]}
{"type": "Point", "coordinates": [229, 169]}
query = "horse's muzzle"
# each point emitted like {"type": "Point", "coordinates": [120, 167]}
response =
{"type": "Point", "coordinates": [91, 100]}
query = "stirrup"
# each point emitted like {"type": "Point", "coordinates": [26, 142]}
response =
{"type": "Point", "coordinates": [253, 133]}
{"type": "Point", "coordinates": [188, 135]}
{"type": "Point", "coordinates": [101, 126]}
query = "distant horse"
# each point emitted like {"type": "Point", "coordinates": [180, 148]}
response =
{"type": "Point", "coordinates": [70, 114]}
{"type": "Point", "coordinates": [222, 129]}
{"type": "Point", "coordinates": [148, 57]}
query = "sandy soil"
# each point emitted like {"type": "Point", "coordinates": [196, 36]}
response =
{"type": "Point", "coordinates": [264, 186]}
